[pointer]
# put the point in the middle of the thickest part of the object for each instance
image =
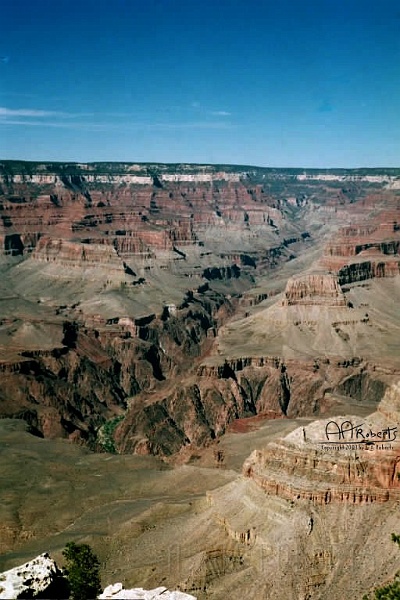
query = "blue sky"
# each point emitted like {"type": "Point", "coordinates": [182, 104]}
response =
{"type": "Point", "coordinates": [286, 84]}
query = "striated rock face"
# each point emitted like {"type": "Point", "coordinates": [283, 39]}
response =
{"type": "Point", "coordinates": [367, 249]}
{"type": "Point", "coordinates": [200, 410]}
{"type": "Point", "coordinates": [122, 275]}
{"type": "Point", "coordinates": [106, 362]}
{"type": "Point", "coordinates": [389, 180]}
{"type": "Point", "coordinates": [311, 289]}
{"type": "Point", "coordinates": [38, 578]}
{"type": "Point", "coordinates": [161, 593]}
{"type": "Point", "coordinates": [75, 255]}
{"type": "Point", "coordinates": [135, 214]}
{"type": "Point", "coordinates": [118, 279]}
{"type": "Point", "coordinates": [277, 386]}
{"type": "Point", "coordinates": [345, 459]}
{"type": "Point", "coordinates": [117, 373]}
{"type": "Point", "coordinates": [359, 271]}
{"type": "Point", "coordinates": [324, 477]}
{"type": "Point", "coordinates": [191, 415]}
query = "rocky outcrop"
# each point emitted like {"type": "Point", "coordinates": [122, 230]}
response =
{"type": "Point", "coordinates": [325, 477]}
{"type": "Point", "coordinates": [77, 255]}
{"type": "Point", "coordinates": [367, 249]}
{"type": "Point", "coordinates": [360, 271]}
{"type": "Point", "coordinates": [129, 211]}
{"type": "Point", "coordinates": [117, 592]}
{"type": "Point", "coordinates": [192, 415]}
{"type": "Point", "coordinates": [38, 578]}
{"type": "Point", "coordinates": [106, 362]}
{"type": "Point", "coordinates": [221, 272]}
{"type": "Point", "coordinates": [270, 383]}
{"type": "Point", "coordinates": [38, 390]}
{"type": "Point", "coordinates": [41, 578]}
{"type": "Point", "coordinates": [202, 408]}
{"type": "Point", "coordinates": [211, 566]}
{"type": "Point", "coordinates": [312, 289]}
{"type": "Point", "coordinates": [54, 179]}
{"type": "Point", "coordinates": [390, 181]}
{"type": "Point", "coordinates": [340, 459]}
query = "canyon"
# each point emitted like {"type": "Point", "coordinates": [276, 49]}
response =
{"type": "Point", "coordinates": [185, 333]}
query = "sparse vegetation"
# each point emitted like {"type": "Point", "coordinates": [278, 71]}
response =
{"type": "Point", "coordinates": [82, 571]}
{"type": "Point", "coordinates": [105, 434]}
{"type": "Point", "coordinates": [391, 591]}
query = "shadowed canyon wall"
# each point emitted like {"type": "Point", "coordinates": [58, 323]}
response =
{"type": "Point", "coordinates": [118, 279]}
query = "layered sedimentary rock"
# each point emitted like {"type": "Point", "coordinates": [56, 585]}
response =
{"type": "Point", "coordinates": [118, 266]}
{"type": "Point", "coordinates": [105, 362]}
{"type": "Point", "coordinates": [389, 180]}
{"type": "Point", "coordinates": [367, 269]}
{"type": "Point", "coordinates": [319, 289]}
{"type": "Point", "coordinates": [135, 214]}
{"type": "Point", "coordinates": [71, 254]}
{"type": "Point", "coordinates": [121, 277]}
{"type": "Point", "coordinates": [367, 249]}
{"type": "Point", "coordinates": [341, 459]}
{"type": "Point", "coordinates": [324, 477]}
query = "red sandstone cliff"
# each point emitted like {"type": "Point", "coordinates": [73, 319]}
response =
{"type": "Point", "coordinates": [368, 249]}
{"type": "Point", "coordinates": [311, 289]}
{"type": "Point", "coordinates": [361, 465]}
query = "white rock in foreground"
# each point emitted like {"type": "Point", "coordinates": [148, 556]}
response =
{"type": "Point", "coordinates": [34, 577]}
{"type": "Point", "coordinates": [117, 592]}
{"type": "Point", "coordinates": [41, 575]}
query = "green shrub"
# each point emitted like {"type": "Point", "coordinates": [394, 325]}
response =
{"type": "Point", "coordinates": [105, 434]}
{"type": "Point", "coordinates": [82, 571]}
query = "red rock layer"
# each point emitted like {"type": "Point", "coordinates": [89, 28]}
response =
{"type": "Point", "coordinates": [314, 289]}
{"type": "Point", "coordinates": [132, 218]}
{"type": "Point", "coordinates": [293, 472]}
{"type": "Point", "coordinates": [369, 249]}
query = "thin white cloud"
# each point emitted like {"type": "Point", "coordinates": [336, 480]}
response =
{"type": "Point", "coordinates": [58, 124]}
{"type": "Point", "coordinates": [107, 126]}
{"type": "Point", "coordinates": [27, 112]}
{"type": "Point", "coordinates": [214, 113]}
{"type": "Point", "coordinates": [220, 113]}
{"type": "Point", "coordinates": [36, 113]}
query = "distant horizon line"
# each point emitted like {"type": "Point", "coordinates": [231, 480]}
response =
{"type": "Point", "coordinates": [193, 164]}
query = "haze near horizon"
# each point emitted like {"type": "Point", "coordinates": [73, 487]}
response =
{"type": "Point", "coordinates": [294, 84]}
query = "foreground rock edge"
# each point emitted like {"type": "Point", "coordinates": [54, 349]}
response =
{"type": "Point", "coordinates": [41, 578]}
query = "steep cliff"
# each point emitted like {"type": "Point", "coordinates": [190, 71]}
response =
{"type": "Point", "coordinates": [117, 280]}
{"type": "Point", "coordinates": [98, 366]}
{"type": "Point", "coordinates": [311, 289]}
{"type": "Point", "coordinates": [367, 249]}
{"type": "Point", "coordinates": [131, 213]}
{"type": "Point", "coordinates": [340, 459]}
